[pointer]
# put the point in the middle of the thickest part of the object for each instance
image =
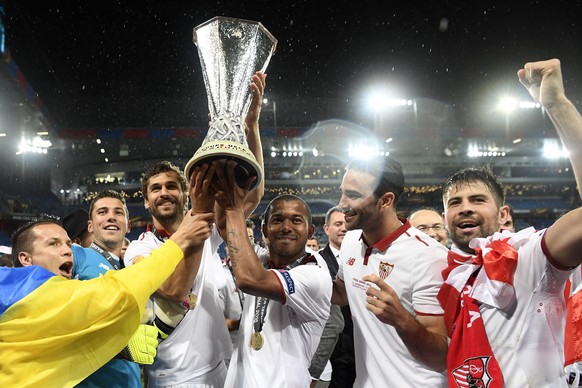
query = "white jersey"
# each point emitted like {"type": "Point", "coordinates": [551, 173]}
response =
{"type": "Point", "coordinates": [527, 338]}
{"type": "Point", "coordinates": [291, 331]}
{"type": "Point", "coordinates": [411, 263]}
{"type": "Point", "coordinates": [200, 343]}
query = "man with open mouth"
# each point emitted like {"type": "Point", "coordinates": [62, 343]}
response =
{"type": "Point", "coordinates": [54, 332]}
{"type": "Point", "coordinates": [503, 293]}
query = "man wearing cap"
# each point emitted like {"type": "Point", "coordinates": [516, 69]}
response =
{"type": "Point", "coordinates": [391, 269]}
{"type": "Point", "coordinates": [75, 223]}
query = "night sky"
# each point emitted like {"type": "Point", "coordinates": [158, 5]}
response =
{"type": "Point", "coordinates": [100, 63]}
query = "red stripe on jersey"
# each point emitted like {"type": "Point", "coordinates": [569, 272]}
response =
{"type": "Point", "coordinates": [427, 314]}
{"type": "Point", "coordinates": [421, 240]}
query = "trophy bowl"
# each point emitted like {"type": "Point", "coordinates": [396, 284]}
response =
{"type": "Point", "coordinates": [230, 51]}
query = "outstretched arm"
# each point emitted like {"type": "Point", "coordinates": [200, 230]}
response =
{"type": "Point", "coordinates": [544, 82]}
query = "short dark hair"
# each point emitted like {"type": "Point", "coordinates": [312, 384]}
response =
{"type": "Point", "coordinates": [286, 198]}
{"type": "Point", "coordinates": [388, 172]}
{"type": "Point", "coordinates": [477, 175]}
{"type": "Point", "coordinates": [6, 260]}
{"type": "Point", "coordinates": [23, 239]}
{"type": "Point", "coordinates": [107, 194]}
{"type": "Point", "coordinates": [159, 168]}
{"type": "Point", "coordinates": [330, 212]}
{"type": "Point", "coordinates": [250, 223]}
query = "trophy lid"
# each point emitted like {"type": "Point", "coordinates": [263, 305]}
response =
{"type": "Point", "coordinates": [240, 21]}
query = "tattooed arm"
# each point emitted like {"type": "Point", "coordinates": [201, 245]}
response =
{"type": "Point", "coordinates": [251, 276]}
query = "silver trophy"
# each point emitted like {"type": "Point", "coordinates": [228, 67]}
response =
{"type": "Point", "coordinates": [230, 51]}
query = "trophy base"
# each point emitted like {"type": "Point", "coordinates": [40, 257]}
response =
{"type": "Point", "coordinates": [246, 163]}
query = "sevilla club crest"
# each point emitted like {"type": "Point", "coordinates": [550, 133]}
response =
{"type": "Point", "coordinates": [385, 269]}
{"type": "Point", "coordinates": [473, 373]}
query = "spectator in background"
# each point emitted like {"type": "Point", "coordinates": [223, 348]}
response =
{"type": "Point", "coordinates": [251, 230]}
{"type": "Point", "coordinates": [259, 250]}
{"type": "Point", "coordinates": [509, 224]}
{"type": "Point", "coordinates": [313, 244]}
{"type": "Point", "coordinates": [429, 221]}
{"type": "Point", "coordinates": [333, 340]}
{"type": "Point", "coordinates": [6, 260]}
{"type": "Point", "coordinates": [123, 250]}
{"type": "Point", "coordinates": [335, 229]}
{"type": "Point", "coordinates": [76, 225]}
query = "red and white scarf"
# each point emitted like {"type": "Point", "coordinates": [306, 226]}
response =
{"type": "Point", "coordinates": [484, 278]}
{"type": "Point", "coordinates": [573, 332]}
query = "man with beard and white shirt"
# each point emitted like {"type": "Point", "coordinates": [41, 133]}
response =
{"type": "Point", "coordinates": [390, 274]}
{"type": "Point", "coordinates": [194, 352]}
{"type": "Point", "coordinates": [506, 322]}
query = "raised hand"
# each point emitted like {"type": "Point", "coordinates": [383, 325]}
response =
{"type": "Point", "coordinates": [543, 80]}
{"type": "Point", "coordinates": [201, 192]}
{"type": "Point", "coordinates": [229, 195]}
{"type": "Point", "coordinates": [257, 88]}
{"type": "Point", "coordinates": [194, 229]}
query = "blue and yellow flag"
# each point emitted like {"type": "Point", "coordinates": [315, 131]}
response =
{"type": "Point", "coordinates": [16, 283]}
{"type": "Point", "coordinates": [63, 330]}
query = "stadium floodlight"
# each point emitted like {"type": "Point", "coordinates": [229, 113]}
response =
{"type": "Point", "coordinates": [553, 149]}
{"type": "Point", "coordinates": [364, 151]}
{"type": "Point", "coordinates": [36, 145]}
{"type": "Point", "coordinates": [508, 104]}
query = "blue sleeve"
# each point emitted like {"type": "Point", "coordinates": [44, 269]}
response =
{"type": "Point", "coordinates": [79, 261]}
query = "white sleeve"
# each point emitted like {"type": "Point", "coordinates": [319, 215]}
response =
{"type": "Point", "coordinates": [428, 279]}
{"type": "Point", "coordinates": [139, 248]}
{"type": "Point", "coordinates": [215, 239]}
{"type": "Point", "coordinates": [307, 291]}
{"type": "Point", "coordinates": [533, 267]}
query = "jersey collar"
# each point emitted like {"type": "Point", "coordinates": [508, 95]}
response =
{"type": "Point", "coordinates": [383, 244]}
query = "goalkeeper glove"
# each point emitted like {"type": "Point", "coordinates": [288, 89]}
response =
{"type": "Point", "coordinates": [142, 346]}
